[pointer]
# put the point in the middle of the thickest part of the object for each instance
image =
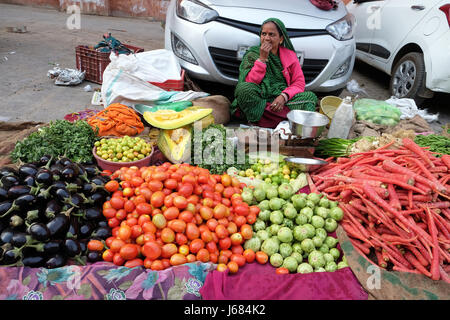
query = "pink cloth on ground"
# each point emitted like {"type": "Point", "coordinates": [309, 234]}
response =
{"type": "Point", "coordinates": [260, 282]}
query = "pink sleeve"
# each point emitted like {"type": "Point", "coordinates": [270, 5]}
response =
{"type": "Point", "coordinates": [297, 84]}
{"type": "Point", "coordinates": [257, 73]}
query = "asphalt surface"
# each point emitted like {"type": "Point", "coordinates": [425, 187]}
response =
{"type": "Point", "coordinates": [28, 94]}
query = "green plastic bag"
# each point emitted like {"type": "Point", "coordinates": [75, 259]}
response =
{"type": "Point", "coordinates": [176, 106]}
{"type": "Point", "coordinates": [377, 111]}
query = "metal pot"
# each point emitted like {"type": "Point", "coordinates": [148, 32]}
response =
{"type": "Point", "coordinates": [307, 124]}
{"type": "Point", "coordinates": [305, 164]}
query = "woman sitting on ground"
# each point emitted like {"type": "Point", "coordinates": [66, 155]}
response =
{"type": "Point", "coordinates": [271, 81]}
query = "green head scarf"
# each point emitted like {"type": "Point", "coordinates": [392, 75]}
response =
{"type": "Point", "coordinates": [286, 41]}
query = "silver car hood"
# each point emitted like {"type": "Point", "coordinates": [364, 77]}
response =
{"type": "Point", "coordinates": [286, 10]}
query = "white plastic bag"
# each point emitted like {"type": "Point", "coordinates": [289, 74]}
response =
{"type": "Point", "coordinates": [409, 109]}
{"type": "Point", "coordinates": [154, 66]}
{"type": "Point", "coordinates": [354, 88]}
{"type": "Point", "coordinates": [121, 84]}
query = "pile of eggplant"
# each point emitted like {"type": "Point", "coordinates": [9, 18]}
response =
{"type": "Point", "coordinates": [49, 210]}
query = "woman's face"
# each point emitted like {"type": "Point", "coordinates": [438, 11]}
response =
{"type": "Point", "coordinates": [270, 34]}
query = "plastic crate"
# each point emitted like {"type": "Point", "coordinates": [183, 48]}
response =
{"type": "Point", "coordinates": [94, 62]}
{"type": "Point", "coordinates": [171, 85]}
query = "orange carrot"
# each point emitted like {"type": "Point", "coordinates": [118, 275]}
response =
{"type": "Point", "coordinates": [416, 149]}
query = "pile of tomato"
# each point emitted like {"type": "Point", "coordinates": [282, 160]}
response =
{"type": "Point", "coordinates": [167, 215]}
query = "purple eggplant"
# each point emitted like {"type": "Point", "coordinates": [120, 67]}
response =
{"type": "Point", "coordinates": [27, 170]}
{"type": "Point", "coordinates": [58, 226]}
{"type": "Point", "coordinates": [39, 231]}
{"type": "Point", "coordinates": [55, 261]}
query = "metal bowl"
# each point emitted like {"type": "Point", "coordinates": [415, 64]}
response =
{"type": "Point", "coordinates": [305, 164]}
{"type": "Point", "coordinates": [307, 124]}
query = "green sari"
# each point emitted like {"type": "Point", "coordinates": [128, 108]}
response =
{"type": "Point", "coordinates": [252, 98]}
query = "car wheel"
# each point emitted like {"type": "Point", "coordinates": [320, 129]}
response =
{"type": "Point", "coordinates": [408, 76]}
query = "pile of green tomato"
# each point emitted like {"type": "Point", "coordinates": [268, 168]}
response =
{"type": "Point", "coordinates": [293, 229]}
{"type": "Point", "coordinates": [270, 171]}
{"type": "Point", "coordinates": [124, 149]}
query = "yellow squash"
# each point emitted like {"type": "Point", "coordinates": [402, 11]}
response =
{"type": "Point", "coordinates": [170, 119]}
{"type": "Point", "coordinates": [175, 144]}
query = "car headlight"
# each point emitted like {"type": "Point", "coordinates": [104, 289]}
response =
{"type": "Point", "coordinates": [343, 28]}
{"type": "Point", "coordinates": [195, 11]}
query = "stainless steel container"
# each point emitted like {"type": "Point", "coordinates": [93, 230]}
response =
{"type": "Point", "coordinates": [307, 124]}
{"type": "Point", "coordinates": [305, 164]}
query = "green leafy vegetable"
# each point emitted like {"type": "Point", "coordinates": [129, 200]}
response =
{"type": "Point", "coordinates": [212, 142]}
{"type": "Point", "coordinates": [73, 140]}
{"type": "Point", "coordinates": [437, 143]}
{"type": "Point", "coordinates": [334, 147]}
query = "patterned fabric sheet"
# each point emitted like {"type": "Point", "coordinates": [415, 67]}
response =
{"type": "Point", "coordinates": [103, 281]}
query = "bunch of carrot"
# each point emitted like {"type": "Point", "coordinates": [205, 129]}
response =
{"type": "Point", "coordinates": [396, 206]}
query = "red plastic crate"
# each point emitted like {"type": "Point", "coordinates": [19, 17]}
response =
{"type": "Point", "coordinates": [94, 62]}
{"type": "Point", "coordinates": [171, 85]}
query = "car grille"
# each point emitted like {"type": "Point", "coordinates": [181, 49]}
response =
{"type": "Point", "coordinates": [227, 63]}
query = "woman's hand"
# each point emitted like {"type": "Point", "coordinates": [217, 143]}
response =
{"type": "Point", "coordinates": [278, 104]}
{"type": "Point", "coordinates": [264, 50]}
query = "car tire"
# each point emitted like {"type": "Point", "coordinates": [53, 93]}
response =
{"type": "Point", "coordinates": [408, 76]}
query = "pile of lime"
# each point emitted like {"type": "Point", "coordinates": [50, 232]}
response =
{"type": "Point", "coordinates": [124, 149]}
{"type": "Point", "coordinates": [270, 171]}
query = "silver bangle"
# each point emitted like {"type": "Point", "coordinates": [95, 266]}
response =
{"type": "Point", "coordinates": [285, 96]}
{"type": "Point", "coordinates": [261, 61]}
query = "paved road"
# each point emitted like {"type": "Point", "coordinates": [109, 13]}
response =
{"type": "Point", "coordinates": [28, 94]}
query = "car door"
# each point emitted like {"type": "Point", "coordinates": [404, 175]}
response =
{"type": "Point", "coordinates": [366, 13]}
{"type": "Point", "coordinates": [396, 20]}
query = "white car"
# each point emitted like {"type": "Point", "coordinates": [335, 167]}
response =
{"type": "Point", "coordinates": [407, 39]}
{"type": "Point", "coordinates": [209, 37]}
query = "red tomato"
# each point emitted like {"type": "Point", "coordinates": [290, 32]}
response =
{"type": "Point", "coordinates": [136, 181]}
{"type": "Point", "coordinates": [192, 231]}
{"type": "Point", "coordinates": [144, 208]}
{"type": "Point", "coordinates": [136, 231]}
{"type": "Point", "coordinates": [206, 235]}
{"type": "Point", "coordinates": [124, 232]}
{"type": "Point", "coordinates": [232, 227]}
{"type": "Point", "coordinates": [167, 235]}
{"type": "Point", "coordinates": [246, 231]}
{"type": "Point", "coordinates": [261, 257]}
{"type": "Point", "coordinates": [177, 225]}
{"type": "Point", "coordinates": [157, 199]}
{"type": "Point", "coordinates": [211, 246]}
{"type": "Point", "coordinates": [190, 257]}
{"type": "Point", "coordinates": [203, 255]}
{"type": "Point", "coordinates": [134, 263]}
{"type": "Point", "coordinates": [118, 260]}
{"type": "Point", "coordinates": [95, 245]}
{"type": "Point", "coordinates": [220, 211]}
{"type": "Point", "coordinates": [282, 270]}
{"type": "Point", "coordinates": [177, 259]}
{"type": "Point", "coordinates": [237, 249]}
{"type": "Point", "coordinates": [168, 250]}
{"type": "Point", "coordinates": [148, 226]}
{"type": "Point", "coordinates": [254, 210]}
{"type": "Point", "coordinates": [180, 202]}
{"type": "Point", "coordinates": [171, 184]}
{"type": "Point", "coordinates": [117, 202]}
{"type": "Point", "coordinates": [236, 239]}
{"type": "Point", "coordinates": [112, 186]}
{"type": "Point", "coordinates": [239, 259]}
{"type": "Point", "coordinates": [221, 231]}
{"type": "Point", "coordinates": [206, 212]}
{"type": "Point", "coordinates": [129, 206]}
{"type": "Point", "coordinates": [233, 267]}
{"type": "Point", "coordinates": [186, 216]}
{"type": "Point", "coordinates": [181, 239]}
{"type": "Point", "coordinates": [241, 210]}
{"type": "Point", "coordinates": [251, 218]}
{"type": "Point", "coordinates": [108, 255]}
{"type": "Point", "coordinates": [222, 259]}
{"type": "Point", "coordinates": [171, 213]}
{"type": "Point", "coordinates": [249, 255]}
{"type": "Point", "coordinates": [212, 224]}
{"type": "Point", "coordinates": [213, 257]}
{"type": "Point", "coordinates": [151, 250]}
{"type": "Point", "coordinates": [225, 243]}
{"type": "Point", "coordinates": [129, 251]}
{"type": "Point", "coordinates": [157, 265]}
{"type": "Point", "coordinates": [196, 245]}
{"type": "Point", "coordinates": [222, 267]}
{"type": "Point", "coordinates": [144, 218]}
